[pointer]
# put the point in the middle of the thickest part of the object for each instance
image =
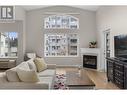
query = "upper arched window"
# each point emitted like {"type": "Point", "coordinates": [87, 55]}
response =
{"type": "Point", "coordinates": [61, 22]}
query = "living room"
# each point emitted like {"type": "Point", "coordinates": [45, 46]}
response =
{"type": "Point", "coordinates": [77, 44]}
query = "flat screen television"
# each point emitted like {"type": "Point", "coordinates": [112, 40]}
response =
{"type": "Point", "coordinates": [120, 44]}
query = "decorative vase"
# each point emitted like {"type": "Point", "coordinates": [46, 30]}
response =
{"type": "Point", "coordinates": [92, 45]}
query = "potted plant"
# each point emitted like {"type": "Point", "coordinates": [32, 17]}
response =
{"type": "Point", "coordinates": [93, 44]}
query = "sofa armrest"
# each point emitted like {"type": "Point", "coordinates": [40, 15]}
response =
{"type": "Point", "coordinates": [24, 85]}
{"type": "Point", "coordinates": [51, 66]}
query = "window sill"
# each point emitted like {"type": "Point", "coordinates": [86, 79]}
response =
{"type": "Point", "coordinates": [62, 56]}
{"type": "Point", "coordinates": [8, 57]}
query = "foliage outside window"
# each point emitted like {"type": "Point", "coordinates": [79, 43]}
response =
{"type": "Point", "coordinates": [61, 22]}
{"type": "Point", "coordinates": [8, 44]}
{"type": "Point", "coordinates": [61, 45]}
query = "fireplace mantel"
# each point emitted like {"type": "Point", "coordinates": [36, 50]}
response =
{"type": "Point", "coordinates": [94, 52]}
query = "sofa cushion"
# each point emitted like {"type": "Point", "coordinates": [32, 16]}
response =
{"type": "Point", "coordinates": [3, 78]}
{"type": "Point", "coordinates": [31, 64]}
{"type": "Point", "coordinates": [27, 75]}
{"type": "Point", "coordinates": [12, 75]}
{"type": "Point", "coordinates": [40, 64]}
{"type": "Point", "coordinates": [47, 80]}
{"type": "Point", "coordinates": [24, 86]}
{"type": "Point", "coordinates": [48, 72]}
{"type": "Point", "coordinates": [44, 83]}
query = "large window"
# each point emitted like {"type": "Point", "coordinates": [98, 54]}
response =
{"type": "Point", "coordinates": [61, 45]}
{"type": "Point", "coordinates": [8, 44]}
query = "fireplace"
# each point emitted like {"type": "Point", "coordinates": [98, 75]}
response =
{"type": "Point", "coordinates": [90, 61]}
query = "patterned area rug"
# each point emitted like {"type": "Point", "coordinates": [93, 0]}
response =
{"type": "Point", "coordinates": [60, 82]}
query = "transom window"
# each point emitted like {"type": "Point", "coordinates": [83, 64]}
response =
{"type": "Point", "coordinates": [61, 22]}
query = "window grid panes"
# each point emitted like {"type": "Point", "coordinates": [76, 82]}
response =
{"type": "Point", "coordinates": [8, 44]}
{"type": "Point", "coordinates": [61, 22]}
{"type": "Point", "coordinates": [61, 45]}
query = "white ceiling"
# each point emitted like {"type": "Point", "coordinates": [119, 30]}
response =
{"type": "Point", "coordinates": [86, 7]}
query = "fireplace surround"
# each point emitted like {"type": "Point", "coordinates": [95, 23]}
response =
{"type": "Point", "coordinates": [91, 52]}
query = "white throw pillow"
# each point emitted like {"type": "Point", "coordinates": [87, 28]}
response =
{"type": "Point", "coordinates": [27, 75]}
{"type": "Point", "coordinates": [12, 75]}
{"type": "Point", "coordinates": [40, 64]}
{"type": "Point", "coordinates": [23, 65]}
{"type": "Point", "coordinates": [31, 64]}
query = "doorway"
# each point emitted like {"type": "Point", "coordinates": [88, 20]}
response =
{"type": "Point", "coordinates": [106, 50]}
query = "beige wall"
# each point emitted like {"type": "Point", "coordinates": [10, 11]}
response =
{"type": "Point", "coordinates": [113, 17]}
{"type": "Point", "coordinates": [35, 31]}
{"type": "Point", "coordinates": [20, 14]}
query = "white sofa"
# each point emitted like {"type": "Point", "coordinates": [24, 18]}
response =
{"type": "Point", "coordinates": [46, 80]}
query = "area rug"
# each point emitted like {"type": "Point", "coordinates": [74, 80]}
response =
{"type": "Point", "coordinates": [60, 82]}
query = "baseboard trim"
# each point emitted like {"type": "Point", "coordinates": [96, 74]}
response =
{"type": "Point", "coordinates": [66, 66]}
{"type": "Point", "coordinates": [75, 66]}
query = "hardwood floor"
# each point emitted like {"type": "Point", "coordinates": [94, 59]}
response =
{"type": "Point", "coordinates": [99, 78]}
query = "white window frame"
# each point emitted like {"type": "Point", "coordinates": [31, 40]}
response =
{"type": "Point", "coordinates": [67, 45]}
{"type": "Point", "coordinates": [13, 49]}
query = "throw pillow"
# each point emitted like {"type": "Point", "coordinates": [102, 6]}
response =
{"type": "Point", "coordinates": [40, 64]}
{"type": "Point", "coordinates": [23, 65]}
{"type": "Point", "coordinates": [12, 75]}
{"type": "Point", "coordinates": [27, 75]}
{"type": "Point", "coordinates": [31, 64]}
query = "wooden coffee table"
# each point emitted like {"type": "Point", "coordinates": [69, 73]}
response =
{"type": "Point", "coordinates": [76, 81]}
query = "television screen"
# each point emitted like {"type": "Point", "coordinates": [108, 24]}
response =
{"type": "Point", "coordinates": [120, 46]}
